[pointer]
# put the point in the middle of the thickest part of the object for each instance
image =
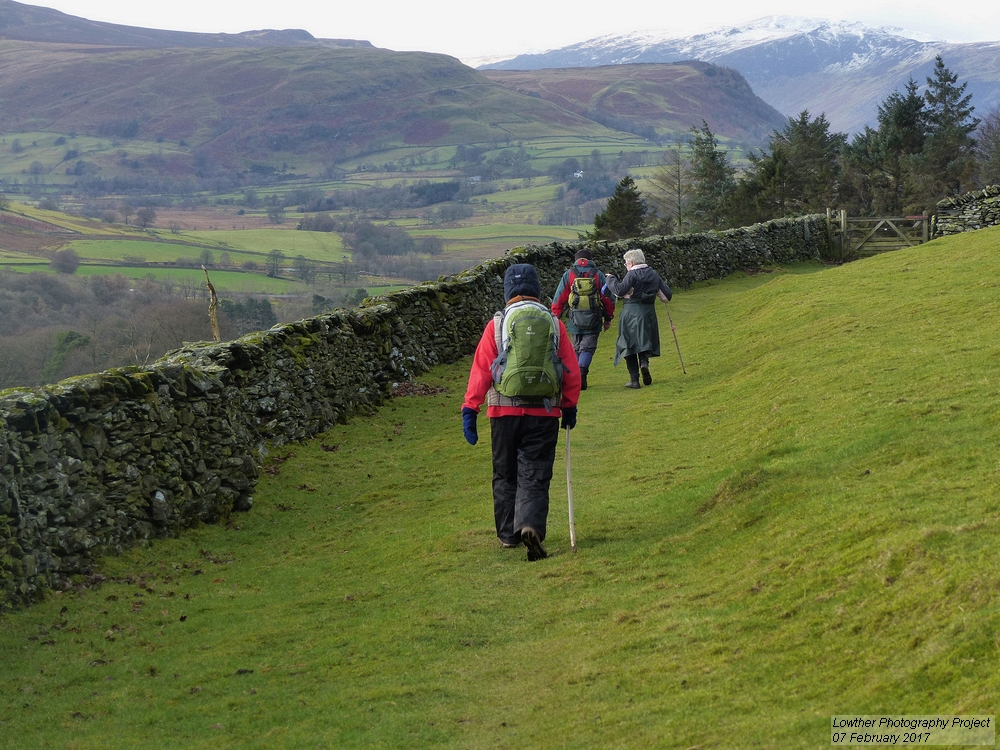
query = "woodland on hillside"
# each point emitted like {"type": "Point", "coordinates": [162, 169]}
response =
{"type": "Point", "coordinates": [56, 325]}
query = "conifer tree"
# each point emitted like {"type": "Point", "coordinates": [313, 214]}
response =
{"type": "Point", "coordinates": [800, 175]}
{"type": "Point", "coordinates": [878, 169]}
{"type": "Point", "coordinates": [988, 148]}
{"type": "Point", "coordinates": [903, 127]}
{"type": "Point", "coordinates": [946, 161]}
{"type": "Point", "coordinates": [623, 216]}
{"type": "Point", "coordinates": [712, 181]}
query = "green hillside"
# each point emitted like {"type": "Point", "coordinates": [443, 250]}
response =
{"type": "Point", "coordinates": [803, 525]}
{"type": "Point", "coordinates": [672, 97]}
{"type": "Point", "coordinates": [239, 106]}
{"type": "Point", "coordinates": [172, 120]}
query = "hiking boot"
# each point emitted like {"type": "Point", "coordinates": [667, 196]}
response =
{"type": "Point", "coordinates": [534, 544]}
{"type": "Point", "coordinates": [583, 378]}
{"type": "Point", "coordinates": [633, 384]}
{"type": "Point", "coordinates": [647, 379]}
{"type": "Point", "coordinates": [510, 545]}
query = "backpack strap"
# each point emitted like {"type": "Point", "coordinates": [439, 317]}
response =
{"type": "Point", "coordinates": [557, 361]}
{"type": "Point", "coordinates": [498, 328]}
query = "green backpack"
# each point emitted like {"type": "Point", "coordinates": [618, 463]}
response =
{"type": "Point", "coordinates": [585, 303]}
{"type": "Point", "coordinates": [527, 364]}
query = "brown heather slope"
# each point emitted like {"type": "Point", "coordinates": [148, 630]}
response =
{"type": "Point", "coordinates": [242, 105]}
{"type": "Point", "coordinates": [670, 97]}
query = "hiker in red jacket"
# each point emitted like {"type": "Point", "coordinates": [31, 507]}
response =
{"type": "Point", "coordinates": [587, 315]}
{"type": "Point", "coordinates": [524, 430]}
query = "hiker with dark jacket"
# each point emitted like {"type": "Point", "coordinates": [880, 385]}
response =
{"type": "Point", "coordinates": [638, 329]}
{"type": "Point", "coordinates": [523, 430]}
{"type": "Point", "coordinates": [583, 321]}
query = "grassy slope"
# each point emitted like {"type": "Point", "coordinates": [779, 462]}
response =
{"type": "Point", "coordinates": [225, 282]}
{"type": "Point", "coordinates": [305, 108]}
{"type": "Point", "coordinates": [248, 97]}
{"type": "Point", "coordinates": [671, 97]}
{"type": "Point", "coordinates": [803, 525]}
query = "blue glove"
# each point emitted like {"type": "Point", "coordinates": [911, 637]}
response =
{"type": "Point", "coordinates": [469, 425]}
{"type": "Point", "coordinates": [569, 417]}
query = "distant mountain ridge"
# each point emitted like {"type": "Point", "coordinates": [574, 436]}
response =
{"type": "Point", "coordinates": [31, 23]}
{"type": "Point", "coordinates": [240, 100]}
{"type": "Point", "coordinates": [841, 69]}
{"type": "Point", "coordinates": [239, 105]}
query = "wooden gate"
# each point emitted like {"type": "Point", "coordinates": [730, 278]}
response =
{"type": "Point", "coordinates": [853, 238]}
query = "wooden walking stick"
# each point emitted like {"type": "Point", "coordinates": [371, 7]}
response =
{"type": "Point", "coordinates": [676, 342]}
{"type": "Point", "coordinates": [569, 493]}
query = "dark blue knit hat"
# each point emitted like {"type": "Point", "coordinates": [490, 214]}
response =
{"type": "Point", "coordinates": [521, 280]}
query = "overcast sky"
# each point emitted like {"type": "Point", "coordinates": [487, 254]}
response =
{"type": "Point", "coordinates": [470, 30]}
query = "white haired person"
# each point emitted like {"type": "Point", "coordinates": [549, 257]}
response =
{"type": "Point", "coordinates": [638, 329]}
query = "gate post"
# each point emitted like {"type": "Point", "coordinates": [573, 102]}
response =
{"type": "Point", "coordinates": [829, 229]}
{"type": "Point", "coordinates": [845, 242]}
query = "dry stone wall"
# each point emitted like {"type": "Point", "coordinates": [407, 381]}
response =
{"type": "Point", "coordinates": [96, 463]}
{"type": "Point", "coordinates": [964, 213]}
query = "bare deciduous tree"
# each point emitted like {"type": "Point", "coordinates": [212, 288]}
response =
{"type": "Point", "coordinates": [671, 183]}
{"type": "Point", "coordinates": [65, 261]}
{"type": "Point", "coordinates": [137, 334]}
{"type": "Point", "coordinates": [145, 216]}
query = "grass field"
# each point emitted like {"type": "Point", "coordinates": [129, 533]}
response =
{"type": "Point", "coordinates": [129, 256]}
{"type": "Point", "coordinates": [325, 246]}
{"type": "Point", "coordinates": [149, 250]}
{"type": "Point", "coordinates": [41, 148]}
{"type": "Point", "coordinates": [803, 525]}
{"type": "Point", "coordinates": [487, 239]}
{"type": "Point", "coordinates": [77, 224]}
{"type": "Point", "coordinates": [21, 260]}
{"type": "Point", "coordinates": [223, 281]}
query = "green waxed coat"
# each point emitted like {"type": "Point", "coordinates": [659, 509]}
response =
{"type": "Point", "coordinates": [638, 330]}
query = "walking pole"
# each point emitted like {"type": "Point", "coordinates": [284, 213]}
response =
{"type": "Point", "coordinates": [569, 493]}
{"type": "Point", "coordinates": [676, 342]}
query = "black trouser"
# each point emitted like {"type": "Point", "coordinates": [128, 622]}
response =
{"type": "Point", "coordinates": [524, 449]}
{"type": "Point", "coordinates": [633, 361]}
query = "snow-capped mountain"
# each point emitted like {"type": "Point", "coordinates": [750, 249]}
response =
{"type": "Point", "coordinates": [841, 69]}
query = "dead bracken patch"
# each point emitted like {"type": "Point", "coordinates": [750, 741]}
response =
{"type": "Point", "coordinates": [416, 389]}
{"type": "Point", "coordinates": [272, 466]}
